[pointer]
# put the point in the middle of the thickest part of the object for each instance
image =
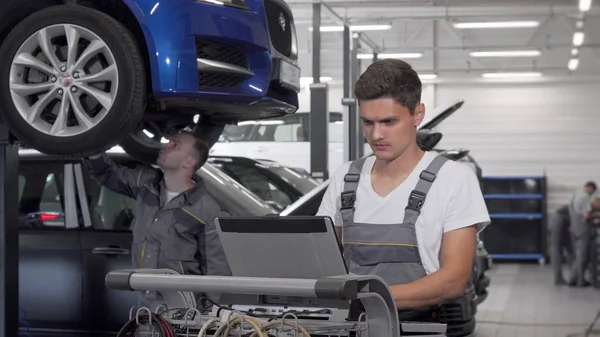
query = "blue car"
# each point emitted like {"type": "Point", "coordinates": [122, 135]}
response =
{"type": "Point", "coordinates": [80, 76]}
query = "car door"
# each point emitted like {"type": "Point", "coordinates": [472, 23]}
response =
{"type": "Point", "coordinates": [106, 242]}
{"type": "Point", "coordinates": [50, 268]}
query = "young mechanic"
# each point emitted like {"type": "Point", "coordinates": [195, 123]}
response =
{"type": "Point", "coordinates": [408, 216]}
{"type": "Point", "coordinates": [173, 226]}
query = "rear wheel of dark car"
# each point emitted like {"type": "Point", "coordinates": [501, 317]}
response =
{"type": "Point", "coordinates": [72, 81]}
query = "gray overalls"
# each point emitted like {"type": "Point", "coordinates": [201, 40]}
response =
{"type": "Point", "coordinates": [179, 235]}
{"type": "Point", "coordinates": [560, 239]}
{"type": "Point", "coordinates": [389, 251]}
{"type": "Point", "coordinates": [580, 237]}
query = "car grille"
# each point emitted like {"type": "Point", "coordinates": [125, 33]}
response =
{"type": "Point", "coordinates": [209, 50]}
{"type": "Point", "coordinates": [280, 30]}
{"type": "Point", "coordinates": [216, 80]}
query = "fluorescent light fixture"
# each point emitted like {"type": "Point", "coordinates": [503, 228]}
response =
{"type": "Point", "coordinates": [427, 76]}
{"type": "Point", "coordinates": [309, 80]}
{"type": "Point", "coordinates": [361, 28]}
{"type": "Point", "coordinates": [498, 24]}
{"type": "Point", "coordinates": [508, 53]}
{"type": "Point", "coordinates": [574, 52]}
{"type": "Point", "coordinates": [391, 56]}
{"type": "Point", "coordinates": [578, 38]}
{"type": "Point", "coordinates": [511, 75]}
{"type": "Point", "coordinates": [585, 5]}
{"type": "Point", "coordinates": [573, 64]}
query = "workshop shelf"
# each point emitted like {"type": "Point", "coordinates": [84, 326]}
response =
{"type": "Point", "coordinates": [517, 207]}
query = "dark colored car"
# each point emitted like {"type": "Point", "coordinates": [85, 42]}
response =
{"type": "Point", "coordinates": [278, 185]}
{"type": "Point", "coordinates": [72, 232]}
{"type": "Point", "coordinates": [483, 260]}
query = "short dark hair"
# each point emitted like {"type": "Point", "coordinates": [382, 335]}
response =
{"type": "Point", "coordinates": [200, 150]}
{"type": "Point", "coordinates": [390, 78]}
{"type": "Point", "coordinates": [591, 184]}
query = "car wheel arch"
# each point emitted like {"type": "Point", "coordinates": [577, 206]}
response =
{"type": "Point", "coordinates": [129, 14]}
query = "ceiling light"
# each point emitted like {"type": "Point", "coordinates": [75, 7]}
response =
{"type": "Point", "coordinates": [574, 52]}
{"type": "Point", "coordinates": [370, 27]}
{"type": "Point", "coordinates": [511, 75]}
{"type": "Point", "coordinates": [578, 38]}
{"type": "Point", "coordinates": [573, 64]}
{"type": "Point", "coordinates": [309, 80]}
{"type": "Point", "coordinates": [509, 53]}
{"type": "Point", "coordinates": [579, 24]}
{"type": "Point", "coordinates": [352, 28]}
{"type": "Point", "coordinates": [585, 5]}
{"type": "Point", "coordinates": [391, 56]}
{"type": "Point", "coordinates": [498, 24]}
{"type": "Point", "coordinates": [427, 76]}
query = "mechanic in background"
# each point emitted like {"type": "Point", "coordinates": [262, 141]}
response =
{"type": "Point", "coordinates": [173, 226]}
{"type": "Point", "coordinates": [408, 216]}
{"type": "Point", "coordinates": [579, 211]}
{"type": "Point", "coordinates": [560, 243]}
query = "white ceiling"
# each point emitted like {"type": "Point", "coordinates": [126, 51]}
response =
{"type": "Point", "coordinates": [426, 26]}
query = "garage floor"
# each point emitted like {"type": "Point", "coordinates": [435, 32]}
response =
{"type": "Point", "coordinates": [523, 301]}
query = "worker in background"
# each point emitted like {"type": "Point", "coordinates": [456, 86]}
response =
{"type": "Point", "coordinates": [579, 210]}
{"type": "Point", "coordinates": [408, 216]}
{"type": "Point", "coordinates": [560, 243]}
{"type": "Point", "coordinates": [173, 226]}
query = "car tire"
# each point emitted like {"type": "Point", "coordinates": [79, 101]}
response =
{"type": "Point", "coordinates": [141, 148]}
{"type": "Point", "coordinates": [114, 47]}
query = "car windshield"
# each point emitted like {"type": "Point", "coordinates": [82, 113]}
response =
{"type": "Point", "coordinates": [309, 203]}
{"type": "Point", "coordinates": [302, 182]}
{"type": "Point", "coordinates": [233, 197]}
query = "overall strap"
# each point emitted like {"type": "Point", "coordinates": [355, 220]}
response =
{"type": "Point", "coordinates": [349, 191]}
{"type": "Point", "coordinates": [418, 195]}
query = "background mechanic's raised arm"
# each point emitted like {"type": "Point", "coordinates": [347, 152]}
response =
{"type": "Point", "coordinates": [120, 179]}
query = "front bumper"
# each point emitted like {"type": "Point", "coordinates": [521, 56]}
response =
{"type": "Point", "coordinates": [224, 55]}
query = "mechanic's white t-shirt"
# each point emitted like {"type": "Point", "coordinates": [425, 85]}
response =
{"type": "Point", "coordinates": [454, 201]}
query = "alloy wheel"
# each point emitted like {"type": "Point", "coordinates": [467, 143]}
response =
{"type": "Point", "coordinates": [63, 80]}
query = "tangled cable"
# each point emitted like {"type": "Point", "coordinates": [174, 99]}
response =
{"type": "Point", "coordinates": [158, 323]}
{"type": "Point", "coordinates": [239, 319]}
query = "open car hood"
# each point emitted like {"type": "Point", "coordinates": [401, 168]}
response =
{"type": "Point", "coordinates": [439, 114]}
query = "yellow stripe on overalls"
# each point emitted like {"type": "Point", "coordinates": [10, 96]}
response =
{"type": "Point", "coordinates": [380, 244]}
{"type": "Point", "coordinates": [193, 216]}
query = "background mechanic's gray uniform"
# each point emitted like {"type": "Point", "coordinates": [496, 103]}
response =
{"type": "Point", "coordinates": [560, 241]}
{"type": "Point", "coordinates": [580, 234]}
{"type": "Point", "coordinates": [389, 251]}
{"type": "Point", "coordinates": [180, 235]}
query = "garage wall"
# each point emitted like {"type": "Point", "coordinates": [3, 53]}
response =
{"type": "Point", "coordinates": [336, 94]}
{"type": "Point", "coordinates": [520, 129]}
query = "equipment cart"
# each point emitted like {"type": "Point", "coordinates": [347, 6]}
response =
{"type": "Point", "coordinates": [325, 302]}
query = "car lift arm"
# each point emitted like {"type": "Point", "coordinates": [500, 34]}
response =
{"type": "Point", "coordinates": [9, 234]}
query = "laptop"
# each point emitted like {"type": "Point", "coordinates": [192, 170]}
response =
{"type": "Point", "coordinates": [303, 247]}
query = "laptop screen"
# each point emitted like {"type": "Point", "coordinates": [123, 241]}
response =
{"type": "Point", "coordinates": [304, 247]}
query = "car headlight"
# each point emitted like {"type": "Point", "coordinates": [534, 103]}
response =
{"type": "Point", "coordinates": [229, 3]}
